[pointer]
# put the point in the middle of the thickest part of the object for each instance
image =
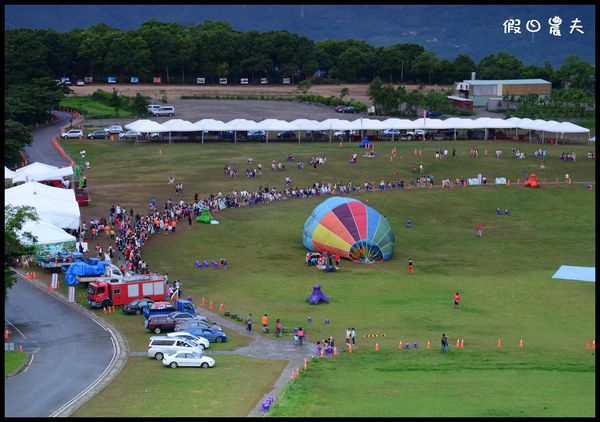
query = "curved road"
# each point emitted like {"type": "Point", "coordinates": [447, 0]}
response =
{"type": "Point", "coordinates": [70, 350]}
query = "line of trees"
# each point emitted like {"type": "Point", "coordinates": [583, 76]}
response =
{"type": "Point", "coordinates": [180, 53]}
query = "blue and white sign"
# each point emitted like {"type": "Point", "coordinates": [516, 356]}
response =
{"type": "Point", "coordinates": [112, 79]}
{"type": "Point", "coordinates": [134, 80]}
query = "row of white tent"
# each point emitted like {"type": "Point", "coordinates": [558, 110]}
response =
{"type": "Point", "coordinates": [211, 125]}
{"type": "Point", "coordinates": [57, 208]}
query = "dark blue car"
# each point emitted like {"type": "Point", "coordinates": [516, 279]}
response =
{"type": "Point", "coordinates": [213, 336]}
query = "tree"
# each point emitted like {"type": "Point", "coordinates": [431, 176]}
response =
{"type": "Point", "coordinates": [500, 66]}
{"type": "Point", "coordinates": [14, 218]}
{"type": "Point", "coordinates": [304, 86]}
{"type": "Point", "coordinates": [385, 97]}
{"type": "Point", "coordinates": [578, 73]}
{"type": "Point", "coordinates": [16, 137]}
{"type": "Point", "coordinates": [344, 93]}
{"type": "Point", "coordinates": [427, 63]}
{"type": "Point", "coordinates": [463, 66]}
{"type": "Point", "coordinates": [139, 105]}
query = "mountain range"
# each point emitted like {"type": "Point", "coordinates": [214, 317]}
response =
{"type": "Point", "coordinates": [448, 30]}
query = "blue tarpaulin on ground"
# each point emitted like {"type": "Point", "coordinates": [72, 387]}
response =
{"type": "Point", "coordinates": [567, 272]}
{"type": "Point", "coordinates": [85, 270]}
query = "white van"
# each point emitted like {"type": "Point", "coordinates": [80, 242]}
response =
{"type": "Point", "coordinates": [162, 345]}
{"type": "Point", "coordinates": [163, 111]}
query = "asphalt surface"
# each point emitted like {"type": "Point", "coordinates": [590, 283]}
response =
{"type": "Point", "coordinates": [70, 351]}
{"type": "Point", "coordinates": [41, 148]}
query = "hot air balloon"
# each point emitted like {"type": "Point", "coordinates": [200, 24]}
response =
{"type": "Point", "coordinates": [350, 229]}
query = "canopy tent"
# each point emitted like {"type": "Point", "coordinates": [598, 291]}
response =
{"type": "Point", "coordinates": [35, 188]}
{"type": "Point", "coordinates": [179, 125]}
{"type": "Point", "coordinates": [369, 124]}
{"type": "Point", "coordinates": [50, 240]}
{"type": "Point", "coordinates": [305, 124]}
{"type": "Point", "coordinates": [146, 126]}
{"type": "Point", "coordinates": [37, 171]}
{"type": "Point", "coordinates": [8, 173]}
{"type": "Point", "coordinates": [56, 209]}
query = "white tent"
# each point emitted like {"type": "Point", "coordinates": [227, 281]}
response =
{"type": "Point", "coordinates": [37, 171]}
{"type": "Point", "coordinates": [56, 209]}
{"type": "Point", "coordinates": [395, 123]}
{"type": "Point", "coordinates": [8, 173]}
{"type": "Point", "coordinates": [370, 124]}
{"type": "Point", "coordinates": [211, 125]}
{"type": "Point", "coordinates": [45, 232]}
{"type": "Point", "coordinates": [305, 124]}
{"type": "Point", "coordinates": [179, 125]}
{"type": "Point", "coordinates": [35, 188]}
{"type": "Point", "coordinates": [146, 126]}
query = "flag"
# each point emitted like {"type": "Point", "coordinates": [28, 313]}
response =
{"type": "Point", "coordinates": [424, 118]}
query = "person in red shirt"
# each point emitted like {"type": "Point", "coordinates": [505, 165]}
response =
{"type": "Point", "coordinates": [479, 228]}
{"type": "Point", "coordinates": [300, 335]}
{"type": "Point", "coordinates": [278, 328]}
{"type": "Point", "coordinates": [456, 300]}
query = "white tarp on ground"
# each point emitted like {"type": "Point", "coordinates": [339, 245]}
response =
{"type": "Point", "coordinates": [8, 173]}
{"type": "Point", "coordinates": [58, 207]}
{"type": "Point", "coordinates": [179, 125]}
{"type": "Point", "coordinates": [146, 126]}
{"type": "Point", "coordinates": [35, 172]}
{"type": "Point", "coordinates": [46, 233]}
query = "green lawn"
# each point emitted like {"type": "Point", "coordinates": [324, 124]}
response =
{"type": "Point", "coordinates": [13, 362]}
{"type": "Point", "coordinates": [93, 109]}
{"type": "Point", "coordinates": [504, 278]}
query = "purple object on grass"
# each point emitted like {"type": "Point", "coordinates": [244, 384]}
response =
{"type": "Point", "coordinates": [317, 296]}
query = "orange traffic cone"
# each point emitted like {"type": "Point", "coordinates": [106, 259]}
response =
{"type": "Point", "coordinates": [499, 344]}
{"type": "Point", "coordinates": [305, 364]}
{"type": "Point", "coordinates": [400, 345]}
{"type": "Point", "coordinates": [544, 181]}
{"type": "Point", "coordinates": [376, 347]}
{"type": "Point", "coordinates": [160, 151]}
{"type": "Point", "coordinates": [521, 344]}
{"type": "Point", "coordinates": [556, 181]}
{"type": "Point", "coordinates": [20, 349]}
{"type": "Point", "coordinates": [593, 344]}
{"type": "Point", "coordinates": [428, 345]}
{"type": "Point", "coordinates": [322, 353]}
{"type": "Point", "coordinates": [203, 301]}
{"type": "Point", "coordinates": [109, 310]}
{"type": "Point", "coordinates": [334, 350]}
{"type": "Point", "coordinates": [104, 311]}
{"type": "Point", "coordinates": [297, 372]}
{"type": "Point", "coordinates": [114, 309]}
{"type": "Point", "coordinates": [210, 306]}
{"type": "Point", "coordinates": [508, 182]}
{"type": "Point", "coordinates": [569, 181]}
{"type": "Point", "coordinates": [51, 288]}
{"type": "Point", "coordinates": [221, 307]}
{"type": "Point", "coordinates": [457, 343]}
{"type": "Point", "coordinates": [462, 343]}
{"type": "Point", "coordinates": [349, 348]}
{"type": "Point", "coordinates": [292, 376]}
{"type": "Point", "coordinates": [587, 344]}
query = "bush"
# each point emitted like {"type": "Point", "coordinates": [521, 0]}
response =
{"type": "Point", "coordinates": [331, 101]}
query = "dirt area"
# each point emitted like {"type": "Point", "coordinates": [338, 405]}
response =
{"type": "Point", "coordinates": [358, 92]}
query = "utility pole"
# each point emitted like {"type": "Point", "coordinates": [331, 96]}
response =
{"type": "Point", "coordinates": [401, 71]}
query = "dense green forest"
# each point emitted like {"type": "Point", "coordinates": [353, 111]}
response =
{"type": "Point", "coordinates": [181, 53]}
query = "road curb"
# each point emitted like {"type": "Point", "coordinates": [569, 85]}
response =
{"type": "Point", "coordinates": [121, 352]}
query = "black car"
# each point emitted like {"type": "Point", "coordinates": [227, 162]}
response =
{"type": "Point", "coordinates": [316, 135]}
{"type": "Point", "coordinates": [136, 307]}
{"type": "Point", "coordinates": [288, 134]}
{"type": "Point", "coordinates": [98, 134]}
{"type": "Point", "coordinates": [349, 109]}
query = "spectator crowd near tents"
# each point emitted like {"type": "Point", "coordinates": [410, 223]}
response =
{"type": "Point", "coordinates": [56, 207]}
{"type": "Point", "coordinates": [559, 129]}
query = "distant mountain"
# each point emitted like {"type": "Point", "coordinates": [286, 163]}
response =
{"type": "Point", "coordinates": [448, 30]}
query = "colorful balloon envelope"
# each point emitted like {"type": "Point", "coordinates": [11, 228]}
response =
{"type": "Point", "coordinates": [350, 229]}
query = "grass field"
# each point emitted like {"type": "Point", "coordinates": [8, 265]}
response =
{"type": "Point", "coordinates": [504, 278]}
{"type": "Point", "coordinates": [13, 362]}
{"type": "Point", "coordinates": [93, 109]}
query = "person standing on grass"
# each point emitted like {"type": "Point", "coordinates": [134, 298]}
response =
{"type": "Point", "coordinates": [353, 335]}
{"type": "Point", "coordinates": [411, 268]}
{"type": "Point", "coordinates": [479, 228]}
{"type": "Point", "coordinates": [444, 343]}
{"type": "Point", "coordinates": [348, 337]}
{"type": "Point", "coordinates": [249, 322]}
{"type": "Point", "coordinates": [264, 321]}
{"type": "Point", "coordinates": [456, 300]}
{"type": "Point", "coordinates": [189, 220]}
{"type": "Point", "coordinates": [300, 335]}
{"type": "Point", "coordinates": [278, 328]}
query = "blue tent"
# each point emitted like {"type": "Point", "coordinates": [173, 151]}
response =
{"type": "Point", "coordinates": [365, 141]}
{"type": "Point", "coordinates": [94, 267]}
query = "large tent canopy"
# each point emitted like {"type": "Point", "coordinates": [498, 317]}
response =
{"type": "Point", "coordinates": [175, 125]}
{"type": "Point", "coordinates": [8, 173]}
{"type": "Point", "coordinates": [35, 188]}
{"type": "Point", "coordinates": [35, 172]}
{"type": "Point", "coordinates": [45, 232]}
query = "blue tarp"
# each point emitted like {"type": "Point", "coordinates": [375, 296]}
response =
{"type": "Point", "coordinates": [568, 272]}
{"type": "Point", "coordinates": [365, 141]}
{"type": "Point", "coordinates": [93, 267]}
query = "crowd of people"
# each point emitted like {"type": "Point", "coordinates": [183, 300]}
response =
{"type": "Point", "coordinates": [568, 156]}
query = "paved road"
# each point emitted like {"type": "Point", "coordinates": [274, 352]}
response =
{"type": "Point", "coordinates": [69, 350]}
{"type": "Point", "coordinates": [41, 148]}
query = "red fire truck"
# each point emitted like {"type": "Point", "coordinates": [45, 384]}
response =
{"type": "Point", "coordinates": [116, 292]}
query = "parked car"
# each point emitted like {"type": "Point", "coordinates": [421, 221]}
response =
{"type": "Point", "coordinates": [136, 306]}
{"type": "Point", "coordinates": [315, 135]}
{"type": "Point", "coordinates": [287, 135]}
{"type": "Point", "coordinates": [114, 129]}
{"type": "Point", "coordinates": [185, 325]}
{"type": "Point", "coordinates": [340, 108]}
{"type": "Point", "coordinates": [214, 336]}
{"type": "Point", "coordinates": [411, 134]}
{"type": "Point", "coordinates": [200, 341]}
{"type": "Point", "coordinates": [391, 132]}
{"type": "Point", "coordinates": [163, 111]}
{"type": "Point", "coordinates": [160, 346]}
{"type": "Point", "coordinates": [256, 134]}
{"type": "Point", "coordinates": [80, 83]}
{"type": "Point", "coordinates": [130, 134]}
{"type": "Point", "coordinates": [343, 133]}
{"type": "Point", "coordinates": [160, 323]}
{"type": "Point", "coordinates": [188, 359]}
{"type": "Point", "coordinates": [72, 134]}
{"type": "Point", "coordinates": [349, 109]}
{"type": "Point", "coordinates": [433, 114]}
{"type": "Point", "coordinates": [184, 316]}
{"type": "Point", "coordinates": [98, 134]}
